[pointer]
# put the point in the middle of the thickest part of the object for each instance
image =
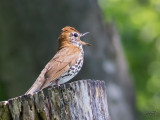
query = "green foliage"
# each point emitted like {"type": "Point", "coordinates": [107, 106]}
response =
{"type": "Point", "coordinates": [138, 22]}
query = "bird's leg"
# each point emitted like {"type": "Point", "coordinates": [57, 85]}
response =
{"type": "Point", "coordinates": [57, 83]}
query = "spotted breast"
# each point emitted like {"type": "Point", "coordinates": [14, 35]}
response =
{"type": "Point", "coordinates": [72, 72]}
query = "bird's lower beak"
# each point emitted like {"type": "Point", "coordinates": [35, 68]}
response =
{"type": "Point", "coordinates": [82, 42]}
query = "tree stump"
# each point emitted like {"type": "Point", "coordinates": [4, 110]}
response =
{"type": "Point", "coordinates": [79, 100]}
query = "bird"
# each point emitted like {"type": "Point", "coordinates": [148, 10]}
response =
{"type": "Point", "coordinates": [66, 63]}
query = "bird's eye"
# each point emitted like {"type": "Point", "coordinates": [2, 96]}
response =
{"type": "Point", "coordinates": [75, 34]}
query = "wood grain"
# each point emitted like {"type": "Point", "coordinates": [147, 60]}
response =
{"type": "Point", "coordinates": [80, 100]}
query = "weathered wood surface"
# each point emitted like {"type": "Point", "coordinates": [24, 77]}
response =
{"type": "Point", "coordinates": [80, 100]}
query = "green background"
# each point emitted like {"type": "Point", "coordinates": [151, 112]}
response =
{"type": "Point", "coordinates": [138, 23]}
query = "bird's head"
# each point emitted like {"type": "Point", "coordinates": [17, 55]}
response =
{"type": "Point", "coordinates": [70, 35]}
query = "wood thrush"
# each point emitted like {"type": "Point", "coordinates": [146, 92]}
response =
{"type": "Point", "coordinates": [65, 64]}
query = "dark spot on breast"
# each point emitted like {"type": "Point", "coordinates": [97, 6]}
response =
{"type": "Point", "coordinates": [66, 75]}
{"type": "Point", "coordinates": [72, 68]}
{"type": "Point", "coordinates": [76, 65]}
{"type": "Point", "coordinates": [79, 62]}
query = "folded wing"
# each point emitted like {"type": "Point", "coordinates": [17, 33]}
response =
{"type": "Point", "coordinates": [57, 66]}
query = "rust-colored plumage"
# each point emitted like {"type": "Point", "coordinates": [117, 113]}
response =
{"type": "Point", "coordinates": [62, 67]}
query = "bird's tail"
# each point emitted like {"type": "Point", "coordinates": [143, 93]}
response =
{"type": "Point", "coordinates": [34, 88]}
{"type": "Point", "coordinates": [38, 83]}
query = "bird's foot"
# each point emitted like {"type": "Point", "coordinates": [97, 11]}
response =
{"type": "Point", "coordinates": [57, 83]}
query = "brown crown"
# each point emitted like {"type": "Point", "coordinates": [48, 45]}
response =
{"type": "Point", "coordinates": [63, 39]}
{"type": "Point", "coordinates": [69, 29]}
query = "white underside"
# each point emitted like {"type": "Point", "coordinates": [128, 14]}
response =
{"type": "Point", "coordinates": [66, 79]}
{"type": "Point", "coordinates": [73, 73]}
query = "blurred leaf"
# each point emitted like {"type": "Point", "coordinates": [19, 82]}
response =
{"type": "Point", "coordinates": [138, 22]}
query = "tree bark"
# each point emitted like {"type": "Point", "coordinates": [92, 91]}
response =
{"type": "Point", "coordinates": [80, 100]}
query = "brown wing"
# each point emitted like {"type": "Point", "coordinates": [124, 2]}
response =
{"type": "Point", "coordinates": [60, 63]}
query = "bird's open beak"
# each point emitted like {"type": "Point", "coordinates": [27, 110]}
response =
{"type": "Point", "coordinates": [82, 42]}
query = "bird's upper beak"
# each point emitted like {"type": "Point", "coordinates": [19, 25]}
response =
{"type": "Point", "coordinates": [83, 34]}
{"type": "Point", "coordinates": [82, 42]}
